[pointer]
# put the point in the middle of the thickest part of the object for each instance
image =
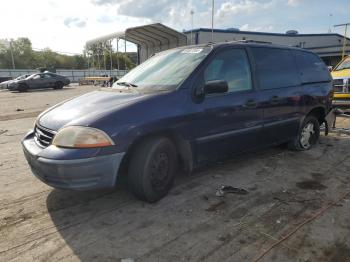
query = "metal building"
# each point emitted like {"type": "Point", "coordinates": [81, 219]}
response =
{"type": "Point", "coordinates": [328, 46]}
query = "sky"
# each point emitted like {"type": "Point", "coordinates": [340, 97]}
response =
{"type": "Point", "coordinates": [65, 25]}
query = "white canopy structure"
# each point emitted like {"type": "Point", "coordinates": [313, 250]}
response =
{"type": "Point", "coordinates": [148, 38]}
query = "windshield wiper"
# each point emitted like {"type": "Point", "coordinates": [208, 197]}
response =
{"type": "Point", "coordinates": [126, 84]}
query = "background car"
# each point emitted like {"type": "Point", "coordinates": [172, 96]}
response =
{"type": "Point", "coordinates": [3, 85]}
{"type": "Point", "coordinates": [41, 80]}
{"type": "Point", "coordinates": [341, 83]}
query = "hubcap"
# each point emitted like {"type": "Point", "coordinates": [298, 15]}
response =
{"type": "Point", "coordinates": [306, 135]}
{"type": "Point", "coordinates": [159, 170]}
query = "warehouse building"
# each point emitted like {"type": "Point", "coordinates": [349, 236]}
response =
{"type": "Point", "coordinates": [328, 46]}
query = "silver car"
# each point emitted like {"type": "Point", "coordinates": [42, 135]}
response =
{"type": "Point", "coordinates": [4, 85]}
{"type": "Point", "coordinates": [40, 80]}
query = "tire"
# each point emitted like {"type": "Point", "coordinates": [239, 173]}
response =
{"type": "Point", "coordinates": [22, 88]}
{"type": "Point", "coordinates": [152, 169]}
{"type": "Point", "coordinates": [308, 135]}
{"type": "Point", "coordinates": [58, 85]}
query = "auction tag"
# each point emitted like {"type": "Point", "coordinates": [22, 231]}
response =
{"type": "Point", "coordinates": [192, 51]}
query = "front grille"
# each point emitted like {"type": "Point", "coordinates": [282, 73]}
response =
{"type": "Point", "coordinates": [341, 85]}
{"type": "Point", "coordinates": [338, 89]}
{"type": "Point", "coordinates": [43, 136]}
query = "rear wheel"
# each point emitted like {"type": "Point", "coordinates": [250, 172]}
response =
{"type": "Point", "coordinates": [22, 88]}
{"type": "Point", "coordinates": [308, 135]}
{"type": "Point", "coordinates": [152, 169]}
{"type": "Point", "coordinates": [58, 85]}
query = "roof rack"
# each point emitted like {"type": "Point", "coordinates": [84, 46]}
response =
{"type": "Point", "coordinates": [251, 41]}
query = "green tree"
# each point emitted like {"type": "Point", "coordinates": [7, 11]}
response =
{"type": "Point", "coordinates": [26, 58]}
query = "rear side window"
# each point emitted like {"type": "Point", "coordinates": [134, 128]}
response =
{"type": "Point", "coordinates": [276, 68]}
{"type": "Point", "coordinates": [312, 69]}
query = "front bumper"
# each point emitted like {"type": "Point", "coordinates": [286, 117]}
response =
{"type": "Point", "coordinates": [79, 174]}
{"type": "Point", "coordinates": [341, 99]}
{"type": "Point", "coordinates": [12, 87]}
{"type": "Point", "coordinates": [341, 103]}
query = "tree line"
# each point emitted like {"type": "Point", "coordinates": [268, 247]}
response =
{"type": "Point", "coordinates": [25, 57]}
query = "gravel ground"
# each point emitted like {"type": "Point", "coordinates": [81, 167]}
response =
{"type": "Point", "coordinates": [297, 208]}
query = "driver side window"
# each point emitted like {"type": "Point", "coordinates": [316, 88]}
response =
{"type": "Point", "coordinates": [232, 66]}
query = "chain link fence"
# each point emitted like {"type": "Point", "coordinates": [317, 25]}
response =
{"type": "Point", "coordinates": [74, 75]}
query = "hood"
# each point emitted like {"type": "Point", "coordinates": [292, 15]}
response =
{"type": "Point", "coordinates": [86, 109]}
{"type": "Point", "coordinates": [344, 73]}
{"type": "Point", "coordinates": [5, 83]}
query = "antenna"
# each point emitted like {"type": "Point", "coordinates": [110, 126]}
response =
{"type": "Point", "coordinates": [212, 21]}
{"type": "Point", "coordinates": [192, 12]}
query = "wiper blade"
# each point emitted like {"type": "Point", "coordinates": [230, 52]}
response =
{"type": "Point", "coordinates": [126, 84]}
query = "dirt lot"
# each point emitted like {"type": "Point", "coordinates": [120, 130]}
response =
{"type": "Point", "coordinates": [297, 208]}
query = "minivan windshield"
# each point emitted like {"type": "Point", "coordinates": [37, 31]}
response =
{"type": "Point", "coordinates": [343, 65]}
{"type": "Point", "coordinates": [165, 70]}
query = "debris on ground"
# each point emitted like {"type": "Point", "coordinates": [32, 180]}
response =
{"type": "Point", "coordinates": [311, 185]}
{"type": "Point", "coordinates": [223, 190]}
{"type": "Point", "coordinates": [3, 131]}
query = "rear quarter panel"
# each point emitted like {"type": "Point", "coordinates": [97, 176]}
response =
{"type": "Point", "coordinates": [316, 95]}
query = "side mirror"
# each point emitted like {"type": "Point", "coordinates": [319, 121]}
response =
{"type": "Point", "coordinates": [215, 87]}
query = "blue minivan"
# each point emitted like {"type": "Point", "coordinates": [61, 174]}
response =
{"type": "Point", "coordinates": [179, 109]}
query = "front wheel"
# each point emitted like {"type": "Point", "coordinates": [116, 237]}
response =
{"type": "Point", "coordinates": [22, 88]}
{"type": "Point", "coordinates": [308, 135]}
{"type": "Point", "coordinates": [58, 85]}
{"type": "Point", "coordinates": [152, 169]}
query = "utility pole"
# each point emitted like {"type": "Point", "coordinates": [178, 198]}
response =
{"type": "Point", "coordinates": [110, 58]}
{"type": "Point", "coordinates": [212, 21]}
{"type": "Point", "coordinates": [344, 41]}
{"type": "Point", "coordinates": [12, 58]}
{"type": "Point", "coordinates": [330, 22]}
{"type": "Point", "coordinates": [192, 12]}
{"type": "Point", "coordinates": [125, 52]}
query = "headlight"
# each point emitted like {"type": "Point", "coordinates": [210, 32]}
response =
{"type": "Point", "coordinates": [81, 137]}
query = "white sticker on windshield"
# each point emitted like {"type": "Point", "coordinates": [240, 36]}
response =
{"type": "Point", "coordinates": [192, 51]}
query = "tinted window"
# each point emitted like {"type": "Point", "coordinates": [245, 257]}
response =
{"type": "Point", "coordinates": [233, 66]}
{"type": "Point", "coordinates": [311, 67]}
{"type": "Point", "coordinates": [276, 68]}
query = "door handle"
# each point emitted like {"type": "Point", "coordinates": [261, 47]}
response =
{"type": "Point", "coordinates": [275, 99]}
{"type": "Point", "coordinates": [251, 104]}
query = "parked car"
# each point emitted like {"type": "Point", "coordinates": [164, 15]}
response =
{"type": "Point", "coordinates": [178, 110]}
{"type": "Point", "coordinates": [4, 85]}
{"type": "Point", "coordinates": [5, 78]}
{"type": "Point", "coordinates": [40, 80]}
{"type": "Point", "coordinates": [341, 83]}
